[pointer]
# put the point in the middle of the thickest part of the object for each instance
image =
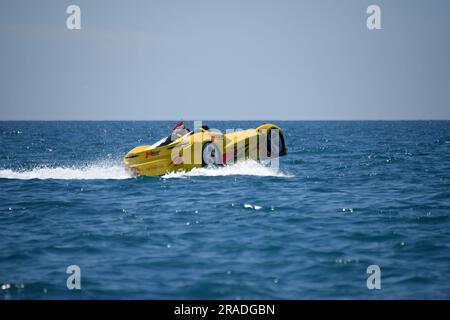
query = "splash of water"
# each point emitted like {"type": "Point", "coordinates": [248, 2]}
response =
{"type": "Point", "coordinates": [95, 171]}
{"type": "Point", "coordinates": [245, 168]}
{"type": "Point", "coordinates": [113, 171]}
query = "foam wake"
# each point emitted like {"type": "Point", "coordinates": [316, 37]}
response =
{"type": "Point", "coordinates": [96, 171]}
{"type": "Point", "coordinates": [114, 171]}
{"type": "Point", "coordinates": [247, 168]}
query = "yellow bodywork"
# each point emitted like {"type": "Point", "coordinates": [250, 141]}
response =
{"type": "Point", "coordinates": [186, 152]}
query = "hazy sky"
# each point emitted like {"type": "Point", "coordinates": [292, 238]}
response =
{"type": "Point", "coordinates": [224, 59]}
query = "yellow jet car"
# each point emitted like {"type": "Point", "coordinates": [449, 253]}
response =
{"type": "Point", "coordinates": [204, 147]}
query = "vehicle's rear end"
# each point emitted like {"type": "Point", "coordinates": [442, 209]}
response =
{"type": "Point", "coordinates": [265, 142]}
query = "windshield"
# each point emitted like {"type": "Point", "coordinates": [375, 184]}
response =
{"type": "Point", "coordinates": [158, 143]}
{"type": "Point", "coordinates": [167, 140]}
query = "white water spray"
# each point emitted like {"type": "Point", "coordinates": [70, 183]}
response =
{"type": "Point", "coordinates": [95, 171]}
{"type": "Point", "coordinates": [245, 168]}
{"type": "Point", "coordinates": [104, 170]}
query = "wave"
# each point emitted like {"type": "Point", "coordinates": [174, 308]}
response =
{"type": "Point", "coordinates": [245, 168]}
{"type": "Point", "coordinates": [95, 171]}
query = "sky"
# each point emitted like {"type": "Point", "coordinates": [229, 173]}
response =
{"type": "Point", "coordinates": [224, 60]}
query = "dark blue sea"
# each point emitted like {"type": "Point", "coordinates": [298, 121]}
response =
{"type": "Point", "coordinates": [347, 195]}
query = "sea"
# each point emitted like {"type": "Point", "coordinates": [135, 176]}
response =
{"type": "Point", "coordinates": [355, 210]}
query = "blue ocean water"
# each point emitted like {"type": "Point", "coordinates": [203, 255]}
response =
{"type": "Point", "coordinates": [347, 195]}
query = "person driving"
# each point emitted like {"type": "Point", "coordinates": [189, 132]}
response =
{"type": "Point", "coordinates": [178, 131]}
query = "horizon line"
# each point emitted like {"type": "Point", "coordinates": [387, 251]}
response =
{"type": "Point", "coordinates": [180, 119]}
